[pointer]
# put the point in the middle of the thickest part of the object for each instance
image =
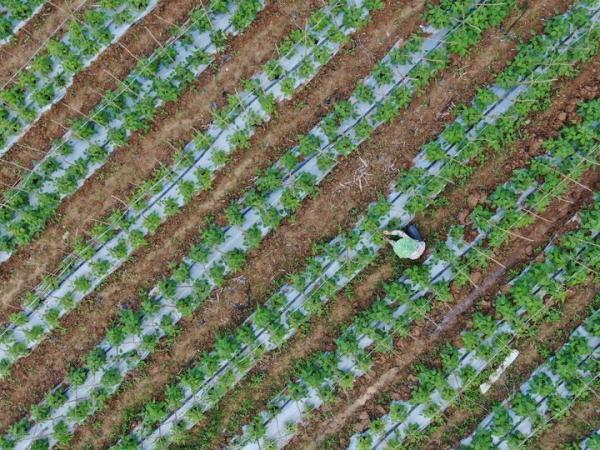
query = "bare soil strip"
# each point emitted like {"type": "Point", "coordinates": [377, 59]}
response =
{"type": "Point", "coordinates": [357, 180]}
{"type": "Point", "coordinates": [583, 421]}
{"type": "Point", "coordinates": [51, 20]}
{"type": "Point", "coordinates": [87, 325]}
{"type": "Point", "coordinates": [285, 250]}
{"type": "Point", "coordinates": [584, 87]}
{"type": "Point", "coordinates": [446, 324]}
{"type": "Point", "coordinates": [461, 201]}
{"type": "Point", "coordinates": [271, 374]}
{"type": "Point", "coordinates": [351, 414]}
{"type": "Point", "coordinates": [231, 304]}
{"type": "Point", "coordinates": [82, 338]}
{"type": "Point", "coordinates": [128, 166]}
{"type": "Point", "coordinates": [278, 368]}
{"type": "Point", "coordinates": [341, 190]}
{"type": "Point", "coordinates": [459, 423]}
{"type": "Point", "coordinates": [113, 65]}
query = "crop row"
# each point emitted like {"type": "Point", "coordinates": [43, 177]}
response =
{"type": "Point", "coordinates": [291, 64]}
{"type": "Point", "coordinates": [14, 14]}
{"type": "Point", "coordinates": [572, 138]}
{"type": "Point", "coordinates": [323, 374]}
{"type": "Point", "coordinates": [406, 301]}
{"type": "Point", "coordinates": [214, 379]}
{"type": "Point", "coordinates": [157, 79]}
{"type": "Point", "coordinates": [198, 164]}
{"type": "Point", "coordinates": [207, 370]}
{"type": "Point", "coordinates": [464, 369]}
{"type": "Point", "coordinates": [523, 306]}
{"type": "Point", "coordinates": [184, 302]}
{"type": "Point", "coordinates": [154, 214]}
{"type": "Point", "coordinates": [45, 80]}
{"type": "Point", "coordinates": [550, 392]}
{"type": "Point", "coordinates": [154, 211]}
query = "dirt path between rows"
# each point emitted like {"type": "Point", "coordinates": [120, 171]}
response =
{"type": "Point", "coordinates": [87, 332]}
{"type": "Point", "coordinates": [284, 251]}
{"type": "Point", "coordinates": [128, 166]}
{"type": "Point", "coordinates": [351, 415]}
{"type": "Point", "coordinates": [460, 202]}
{"type": "Point", "coordinates": [357, 180]}
{"type": "Point", "coordinates": [232, 304]}
{"type": "Point", "coordinates": [551, 336]}
{"type": "Point", "coordinates": [89, 86]}
{"type": "Point", "coordinates": [584, 87]}
{"type": "Point", "coordinates": [50, 21]}
{"type": "Point", "coordinates": [275, 369]}
{"type": "Point", "coordinates": [173, 241]}
{"type": "Point", "coordinates": [582, 422]}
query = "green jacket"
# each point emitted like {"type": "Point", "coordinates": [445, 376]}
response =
{"type": "Point", "coordinates": [406, 247]}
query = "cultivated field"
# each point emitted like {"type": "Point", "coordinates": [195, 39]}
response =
{"type": "Point", "coordinates": [193, 200]}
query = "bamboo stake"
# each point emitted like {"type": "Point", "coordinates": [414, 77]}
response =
{"type": "Point", "coordinates": [153, 37]}
{"type": "Point", "coordinates": [120, 82]}
{"type": "Point", "coordinates": [12, 163]}
{"type": "Point", "coordinates": [59, 124]}
{"type": "Point", "coordinates": [42, 45]}
{"type": "Point", "coordinates": [572, 180]}
{"type": "Point", "coordinates": [537, 215]}
{"type": "Point", "coordinates": [128, 51]}
{"type": "Point", "coordinates": [31, 148]}
{"type": "Point", "coordinates": [89, 118]}
{"type": "Point", "coordinates": [119, 200]}
{"type": "Point", "coordinates": [586, 267]}
{"type": "Point", "coordinates": [489, 257]}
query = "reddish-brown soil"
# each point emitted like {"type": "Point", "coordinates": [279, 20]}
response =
{"type": "Point", "coordinates": [174, 238]}
{"type": "Point", "coordinates": [129, 166]}
{"type": "Point", "coordinates": [49, 22]}
{"type": "Point", "coordinates": [370, 45]}
{"type": "Point", "coordinates": [582, 422]}
{"type": "Point", "coordinates": [275, 369]}
{"type": "Point", "coordinates": [358, 180]}
{"type": "Point", "coordinates": [445, 322]}
{"type": "Point", "coordinates": [88, 87]}
{"type": "Point", "coordinates": [549, 337]}
{"type": "Point", "coordinates": [584, 87]}
{"type": "Point", "coordinates": [280, 254]}
{"type": "Point", "coordinates": [460, 201]}
{"type": "Point", "coordinates": [334, 190]}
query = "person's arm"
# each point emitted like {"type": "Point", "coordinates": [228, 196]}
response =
{"type": "Point", "coordinates": [398, 233]}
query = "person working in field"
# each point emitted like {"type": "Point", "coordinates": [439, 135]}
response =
{"type": "Point", "coordinates": [406, 244]}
